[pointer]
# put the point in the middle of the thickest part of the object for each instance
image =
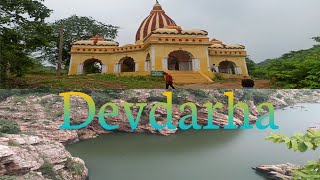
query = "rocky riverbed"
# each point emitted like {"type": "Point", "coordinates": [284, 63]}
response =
{"type": "Point", "coordinates": [32, 157]}
{"type": "Point", "coordinates": [40, 116]}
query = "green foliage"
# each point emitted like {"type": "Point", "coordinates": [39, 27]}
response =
{"type": "Point", "coordinates": [218, 77]}
{"type": "Point", "coordinates": [299, 142]}
{"type": "Point", "coordinates": [157, 99]}
{"type": "Point", "coordinates": [8, 178]}
{"type": "Point", "coordinates": [92, 69]}
{"type": "Point", "coordinates": [258, 96]}
{"type": "Point", "coordinates": [250, 65]}
{"type": "Point", "coordinates": [95, 81]}
{"type": "Point", "coordinates": [74, 167]}
{"type": "Point", "coordinates": [39, 69]}
{"type": "Point", "coordinates": [198, 94]}
{"type": "Point", "coordinates": [22, 31]}
{"type": "Point", "coordinates": [75, 28]}
{"type": "Point", "coordinates": [9, 127]}
{"type": "Point", "coordinates": [302, 142]}
{"type": "Point", "coordinates": [311, 171]}
{"type": "Point", "coordinates": [294, 70]}
{"type": "Point", "coordinates": [47, 170]}
{"type": "Point", "coordinates": [317, 39]}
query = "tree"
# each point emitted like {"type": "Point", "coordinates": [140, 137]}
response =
{"type": "Point", "coordinates": [302, 142]}
{"type": "Point", "coordinates": [22, 31]}
{"type": "Point", "coordinates": [250, 65]}
{"type": "Point", "coordinates": [75, 28]}
{"type": "Point", "coordinates": [317, 39]}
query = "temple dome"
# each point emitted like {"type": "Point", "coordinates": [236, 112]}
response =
{"type": "Point", "coordinates": [157, 19]}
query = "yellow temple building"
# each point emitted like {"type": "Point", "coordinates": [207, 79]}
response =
{"type": "Point", "coordinates": [161, 45]}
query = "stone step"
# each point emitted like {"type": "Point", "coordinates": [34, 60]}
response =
{"type": "Point", "coordinates": [187, 77]}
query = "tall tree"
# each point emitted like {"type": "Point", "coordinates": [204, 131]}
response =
{"type": "Point", "coordinates": [75, 28]}
{"type": "Point", "coordinates": [22, 31]}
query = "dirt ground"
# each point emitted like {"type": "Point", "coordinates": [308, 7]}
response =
{"type": "Point", "coordinates": [230, 84]}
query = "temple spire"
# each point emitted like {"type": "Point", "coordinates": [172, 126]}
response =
{"type": "Point", "coordinates": [157, 1]}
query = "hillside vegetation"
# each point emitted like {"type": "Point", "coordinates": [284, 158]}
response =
{"type": "Point", "coordinates": [294, 70]}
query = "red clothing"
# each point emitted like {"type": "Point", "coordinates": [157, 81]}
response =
{"type": "Point", "coordinates": [169, 78]}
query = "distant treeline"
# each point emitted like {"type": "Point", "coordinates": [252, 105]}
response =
{"type": "Point", "coordinates": [294, 70]}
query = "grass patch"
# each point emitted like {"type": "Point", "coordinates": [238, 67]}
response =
{"type": "Point", "coordinates": [93, 81]}
{"type": "Point", "coordinates": [20, 99]}
{"type": "Point", "coordinates": [9, 127]}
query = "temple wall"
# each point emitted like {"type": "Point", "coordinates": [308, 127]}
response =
{"type": "Point", "coordinates": [107, 59]}
{"type": "Point", "coordinates": [158, 52]}
{"type": "Point", "coordinates": [197, 51]}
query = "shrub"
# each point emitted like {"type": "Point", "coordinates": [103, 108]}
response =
{"type": "Point", "coordinates": [13, 143]}
{"type": "Point", "coordinates": [9, 127]}
{"type": "Point", "coordinates": [198, 93]}
{"type": "Point", "coordinates": [261, 96]}
{"type": "Point", "coordinates": [74, 167]}
{"type": "Point", "coordinates": [8, 178]}
{"type": "Point", "coordinates": [218, 77]}
{"type": "Point", "coordinates": [47, 170]}
{"type": "Point", "coordinates": [257, 96]}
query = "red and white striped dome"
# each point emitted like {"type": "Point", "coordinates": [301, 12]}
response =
{"type": "Point", "coordinates": [156, 19]}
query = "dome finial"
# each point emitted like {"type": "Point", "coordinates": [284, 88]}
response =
{"type": "Point", "coordinates": [157, 6]}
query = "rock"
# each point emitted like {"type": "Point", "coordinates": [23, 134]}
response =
{"type": "Point", "coordinates": [278, 172]}
{"type": "Point", "coordinates": [24, 158]}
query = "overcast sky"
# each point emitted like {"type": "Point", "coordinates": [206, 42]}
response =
{"type": "Point", "coordinates": [268, 28]}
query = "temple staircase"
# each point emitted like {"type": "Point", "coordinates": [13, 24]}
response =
{"type": "Point", "coordinates": [189, 77]}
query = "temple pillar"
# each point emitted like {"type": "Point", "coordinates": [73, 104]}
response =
{"type": "Point", "coordinates": [165, 64]}
{"type": "Point", "coordinates": [153, 58]}
{"type": "Point", "coordinates": [117, 68]}
{"type": "Point", "coordinates": [147, 66]}
{"type": "Point", "coordinates": [104, 69]}
{"type": "Point", "coordinates": [196, 64]}
{"type": "Point", "coordinates": [80, 69]}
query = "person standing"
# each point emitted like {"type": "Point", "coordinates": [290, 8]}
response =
{"type": "Point", "coordinates": [169, 80]}
{"type": "Point", "coordinates": [248, 83]}
{"type": "Point", "coordinates": [214, 68]}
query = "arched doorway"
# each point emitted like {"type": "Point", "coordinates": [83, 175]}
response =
{"type": "Point", "coordinates": [180, 61]}
{"type": "Point", "coordinates": [127, 64]}
{"type": "Point", "coordinates": [227, 67]}
{"type": "Point", "coordinates": [92, 66]}
{"type": "Point", "coordinates": [147, 66]}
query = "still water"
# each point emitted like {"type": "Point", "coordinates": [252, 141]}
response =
{"type": "Point", "coordinates": [191, 155]}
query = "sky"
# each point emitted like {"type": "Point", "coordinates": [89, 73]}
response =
{"type": "Point", "coordinates": [268, 28]}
